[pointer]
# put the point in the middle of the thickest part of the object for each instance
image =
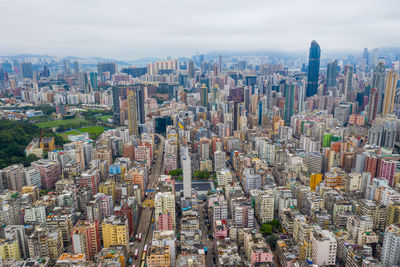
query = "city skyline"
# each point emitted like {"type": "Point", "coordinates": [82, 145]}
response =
{"type": "Point", "coordinates": [133, 30]}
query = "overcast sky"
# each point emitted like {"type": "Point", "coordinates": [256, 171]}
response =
{"type": "Point", "coordinates": [131, 29]}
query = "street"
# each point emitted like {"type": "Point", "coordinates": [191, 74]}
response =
{"type": "Point", "coordinates": [144, 225]}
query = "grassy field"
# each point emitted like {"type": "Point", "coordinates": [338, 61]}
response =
{"type": "Point", "coordinates": [93, 131]}
{"type": "Point", "coordinates": [65, 134]}
{"type": "Point", "coordinates": [50, 124]}
{"type": "Point", "coordinates": [104, 117]}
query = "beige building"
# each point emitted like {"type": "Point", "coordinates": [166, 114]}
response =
{"type": "Point", "coordinates": [158, 256]}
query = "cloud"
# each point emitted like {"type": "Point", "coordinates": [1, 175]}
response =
{"type": "Point", "coordinates": [132, 29]}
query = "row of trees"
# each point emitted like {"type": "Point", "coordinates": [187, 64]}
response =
{"type": "Point", "coordinates": [197, 175]}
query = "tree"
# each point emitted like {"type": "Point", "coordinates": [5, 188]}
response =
{"type": "Point", "coordinates": [201, 175]}
{"type": "Point", "coordinates": [175, 173]}
{"type": "Point", "coordinates": [266, 229]}
{"type": "Point", "coordinates": [271, 240]}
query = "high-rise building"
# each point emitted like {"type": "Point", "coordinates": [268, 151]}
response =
{"type": "Point", "coordinates": [219, 160]}
{"type": "Point", "coordinates": [386, 170]}
{"type": "Point", "coordinates": [64, 223]}
{"type": "Point", "coordinates": [264, 206]}
{"type": "Point", "coordinates": [373, 104]}
{"type": "Point", "coordinates": [204, 95]}
{"type": "Point", "coordinates": [84, 82]}
{"type": "Point", "coordinates": [366, 56]}
{"type": "Point", "coordinates": [86, 238]}
{"type": "Point", "coordinates": [251, 180]}
{"type": "Point", "coordinates": [93, 80]}
{"type": "Point", "coordinates": [242, 213]}
{"type": "Point", "coordinates": [374, 57]}
{"type": "Point", "coordinates": [9, 249]}
{"type": "Point", "coordinates": [164, 210]}
{"type": "Point", "coordinates": [391, 246]}
{"type": "Point", "coordinates": [15, 176]}
{"type": "Point", "coordinates": [158, 255]}
{"type": "Point", "coordinates": [116, 105]}
{"type": "Point", "coordinates": [313, 69]}
{"type": "Point", "coordinates": [300, 99]}
{"type": "Point", "coordinates": [220, 63]}
{"type": "Point", "coordinates": [129, 209]}
{"type": "Point", "coordinates": [132, 113]}
{"type": "Point", "coordinates": [115, 231]}
{"type": "Point", "coordinates": [390, 92]}
{"type": "Point", "coordinates": [331, 74]}
{"type": "Point", "coordinates": [190, 69]}
{"type": "Point", "coordinates": [27, 70]}
{"type": "Point", "coordinates": [66, 66]}
{"type": "Point", "coordinates": [83, 154]}
{"type": "Point", "coordinates": [348, 80]}
{"type": "Point", "coordinates": [90, 181]}
{"type": "Point", "coordinates": [46, 243]}
{"type": "Point", "coordinates": [110, 67]}
{"type": "Point", "coordinates": [224, 177]}
{"type": "Point", "coordinates": [136, 110]}
{"type": "Point", "coordinates": [187, 177]}
{"type": "Point", "coordinates": [378, 82]}
{"type": "Point", "coordinates": [75, 66]}
{"type": "Point", "coordinates": [18, 233]}
{"type": "Point", "coordinates": [289, 101]}
{"type": "Point", "coordinates": [50, 172]}
{"type": "Point", "coordinates": [324, 247]}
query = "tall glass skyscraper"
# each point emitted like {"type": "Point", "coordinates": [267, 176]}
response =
{"type": "Point", "coordinates": [313, 69]}
{"type": "Point", "coordinates": [331, 74]}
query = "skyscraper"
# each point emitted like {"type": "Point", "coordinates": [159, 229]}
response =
{"type": "Point", "coordinates": [331, 74]}
{"type": "Point", "coordinates": [26, 69]}
{"type": "Point", "coordinates": [132, 113]}
{"type": "Point", "coordinates": [190, 69]}
{"type": "Point", "coordinates": [313, 69]}
{"type": "Point", "coordinates": [390, 91]}
{"type": "Point", "coordinates": [116, 107]}
{"type": "Point", "coordinates": [372, 105]}
{"type": "Point", "coordinates": [378, 82]}
{"type": "Point", "coordinates": [136, 110]}
{"type": "Point", "coordinates": [93, 80]}
{"type": "Point", "coordinates": [66, 66]}
{"type": "Point", "coordinates": [374, 57]}
{"type": "Point", "coordinates": [220, 63]}
{"type": "Point", "coordinates": [348, 80]}
{"type": "Point", "coordinates": [187, 177]}
{"type": "Point", "coordinates": [366, 56]}
{"type": "Point", "coordinates": [75, 65]}
{"type": "Point", "coordinates": [301, 97]}
{"type": "Point", "coordinates": [236, 115]}
{"type": "Point", "coordinates": [204, 95]}
{"type": "Point", "coordinates": [289, 101]}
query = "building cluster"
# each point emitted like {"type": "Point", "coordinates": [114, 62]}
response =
{"type": "Point", "coordinates": [259, 162]}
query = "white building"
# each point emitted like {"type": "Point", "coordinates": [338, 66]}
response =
{"type": "Point", "coordinates": [224, 177]}
{"type": "Point", "coordinates": [264, 206]}
{"type": "Point", "coordinates": [187, 177]}
{"type": "Point", "coordinates": [35, 215]}
{"type": "Point", "coordinates": [219, 160]}
{"type": "Point", "coordinates": [324, 247]}
{"type": "Point", "coordinates": [164, 202]}
{"type": "Point", "coordinates": [391, 246]}
{"type": "Point", "coordinates": [32, 177]}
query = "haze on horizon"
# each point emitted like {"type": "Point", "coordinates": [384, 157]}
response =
{"type": "Point", "coordinates": [158, 28]}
